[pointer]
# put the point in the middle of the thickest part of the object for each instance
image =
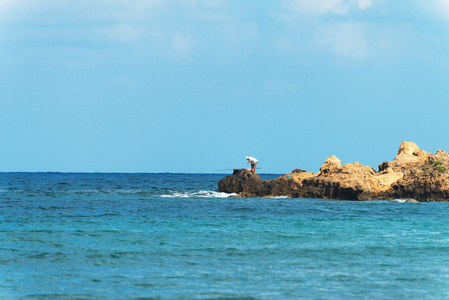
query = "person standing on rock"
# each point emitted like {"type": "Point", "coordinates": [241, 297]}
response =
{"type": "Point", "coordinates": [253, 162]}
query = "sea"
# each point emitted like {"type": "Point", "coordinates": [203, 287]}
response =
{"type": "Point", "coordinates": [174, 236]}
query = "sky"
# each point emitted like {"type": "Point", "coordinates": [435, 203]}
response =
{"type": "Point", "coordinates": [195, 86]}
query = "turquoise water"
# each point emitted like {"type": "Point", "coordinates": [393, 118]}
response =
{"type": "Point", "coordinates": [173, 236]}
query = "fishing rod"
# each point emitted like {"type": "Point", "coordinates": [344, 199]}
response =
{"type": "Point", "coordinates": [234, 169]}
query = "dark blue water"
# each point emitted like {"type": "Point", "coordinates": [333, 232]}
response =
{"type": "Point", "coordinates": [173, 236]}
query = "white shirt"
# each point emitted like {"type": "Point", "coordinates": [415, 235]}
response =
{"type": "Point", "coordinates": [252, 159]}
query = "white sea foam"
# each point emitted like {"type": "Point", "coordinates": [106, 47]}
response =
{"type": "Point", "coordinates": [201, 194]}
{"type": "Point", "coordinates": [399, 200]}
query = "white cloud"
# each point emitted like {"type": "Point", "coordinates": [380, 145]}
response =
{"type": "Point", "coordinates": [119, 11]}
{"type": "Point", "coordinates": [444, 4]}
{"type": "Point", "coordinates": [346, 40]}
{"type": "Point", "coordinates": [7, 7]}
{"type": "Point", "coordinates": [321, 7]}
{"type": "Point", "coordinates": [207, 10]}
{"type": "Point", "coordinates": [237, 33]}
{"type": "Point", "coordinates": [124, 33]}
{"type": "Point", "coordinates": [5, 4]}
{"type": "Point", "coordinates": [182, 44]}
{"type": "Point", "coordinates": [100, 10]}
{"type": "Point", "coordinates": [441, 8]}
{"type": "Point", "coordinates": [363, 4]}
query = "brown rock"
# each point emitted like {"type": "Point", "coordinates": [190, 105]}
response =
{"type": "Point", "coordinates": [350, 181]}
{"type": "Point", "coordinates": [409, 156]}
{"type": "Point", "coordinates": [285, 185]}
{"type": "Point", "coordinates": [331, 165]}
{"type": "Point", "coordinates": [413, 174]}
{"type": "Point", "coordinates": [240, 180]}
{"type": "Point", "coordinates": [427, 182]}
{"type": "Point", "coordinates": [443, 156]}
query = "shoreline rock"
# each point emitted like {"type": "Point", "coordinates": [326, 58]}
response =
{"type": "Point", "coordinates": [239, 181]}
{"type": "Point", "coordinates": [414, 175]}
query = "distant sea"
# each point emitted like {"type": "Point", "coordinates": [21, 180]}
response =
{"type": "Point", "coordinates": [174, 236]}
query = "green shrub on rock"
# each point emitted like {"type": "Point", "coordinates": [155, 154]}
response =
{"type": "Point", "coordinates": [438, 166]}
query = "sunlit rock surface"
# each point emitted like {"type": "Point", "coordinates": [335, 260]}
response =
{"type": "Point", "coordinates": [413, 174]}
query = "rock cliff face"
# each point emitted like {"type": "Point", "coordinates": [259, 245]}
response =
{"type": "Point", "coordinates": [413, 174]}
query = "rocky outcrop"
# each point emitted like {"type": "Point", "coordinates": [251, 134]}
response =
{"type": "Point", "coordinates": [350, 181]}
{"type": "Point", "coordinates": [281, 186]}
{"type": "Point", "coordinates": [409, 156]}
{"type": "Point", "coordinates": [239, 181]}
{"type": "Point", "coordinates": [412, 174]}
{"type": "Point", "coordinates": [427, 182]}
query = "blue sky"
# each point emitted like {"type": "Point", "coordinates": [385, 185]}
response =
{"type": "Point", "coordinates": [196, 85]}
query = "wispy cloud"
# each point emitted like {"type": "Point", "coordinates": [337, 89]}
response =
{"type": "Point", "coordinates": [7, 7]}
{"type": "Point", "coordinates": [237, 33]}
{"type": "Point", "coordinates": [182, 44]}
{"type": "Point", "coordinates": [124, 33]}
{"type": "Point", "coordinates": [5, 4]}
{"type": "Point", "coordinates": [310, 20]}
{"type": "Point", "coordinates": [321, 7]}
{"type": "Point", "coordinates": [347, 40]}
{"type": "Point", "coordinates": [180, 28]}
{"type": "Point", "coordinates": [440, 8]}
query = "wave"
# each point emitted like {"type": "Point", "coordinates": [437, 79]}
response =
{"type": "Point", "coordinates": [142, 192]}
{"type": "Point", "coordinates": [399, 200]}
{"type": "Point", "coordinates": [200, 194]}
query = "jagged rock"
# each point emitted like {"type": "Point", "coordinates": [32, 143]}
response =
{"type": "Point", "coordinates": [427, 182]}
{"type": "Point", "coordinates": [240, 180]}
{"type": "Point", "coordinates": [282, 186]}
{"type": "Point", "coordinates": [443, 156]}
{"type": "Point", "coordinates": [409, 156]}
{"type": "Point", "coordinates": [414, 174]}
{"type": "Point", "coordinates": [331, 165]}
{"type": "Point", "coordinates": [350, 181]}
{"type": "Point", "coordinates": [385, 180]}
{"type": "Point", "coordinates": [298, 171]}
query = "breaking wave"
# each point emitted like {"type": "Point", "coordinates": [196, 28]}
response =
{"type": "Point", "coordinates": [198, 194]}
{"type": "Point", "coordinates": [399, 200]}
